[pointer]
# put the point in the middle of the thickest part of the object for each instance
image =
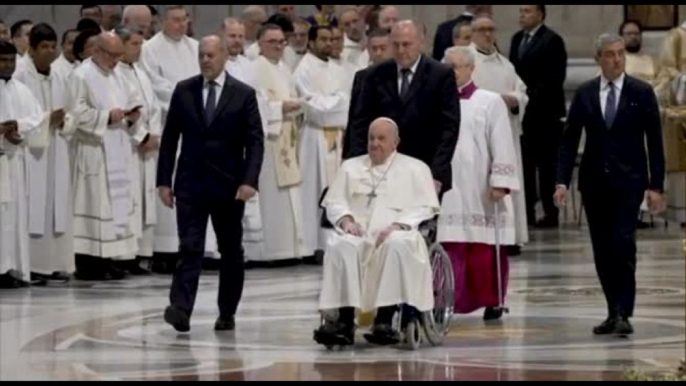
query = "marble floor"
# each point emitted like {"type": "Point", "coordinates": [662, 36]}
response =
{"type": "Point", "coordinates": [115, 331]}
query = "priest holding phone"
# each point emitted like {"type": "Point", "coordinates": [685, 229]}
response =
{"type": "Point", "coordinates": [107, 110]}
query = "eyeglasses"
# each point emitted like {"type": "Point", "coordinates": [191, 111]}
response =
{"type": "Point", "coordinates": [275, 42]}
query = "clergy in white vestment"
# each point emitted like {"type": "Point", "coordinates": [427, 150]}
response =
{"type": "Point", "coordinates": [495, 73]}
{"type": "Point", "coordinates": [106, 108]}
{"type": "Point", "coordinates": [20, 116]}
{"type": "Point", "coordinates": [168, 58]}
{"type": "Point", "coordinates": [320, 84]}
{"type": "Point", "coordinates": [297, 44]}
{"type": "Point", "coordinates": [377, 259]}
{"type": "Point", "coordinates": [66, 62]}
{"type": "Point", "coordinates": [280, 180]}
{"type": "Point", "coordinates": [48, 161]}
{"type": "Point", "coordinates": [253, 16]}
{"type": "Point", "coordinates": [144, 156]}
{"type": "Point", "coordinates": [139, 16]}
{"type": "Point", "coordinates": [354, 41]}
{"type": "Point", "coordinates": [346, 69]}
{"type": "Point", "coordinates": [19, 32]}
{"type": "Point", "coordinates": [479, 204]}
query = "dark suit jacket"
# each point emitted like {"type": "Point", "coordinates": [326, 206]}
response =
{"type": "Point", "coordinates": [354, 98]}
{"type": "Point", "coordinates": [214, 160]}
{"type": "Point", "coordinates": [616, 155]}
{"type": "Point", "coordinates": [543, 68]}
{"type": "Point", "coordinates": [428, 117]}
{"type": "Point", "coordinates": [444, 35]}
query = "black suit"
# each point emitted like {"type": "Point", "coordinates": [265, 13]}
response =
{"type": "Point", "coordinates": [444, 35]}
{"type": "Point", "coordinates": [215, 160]}
{"type": "Point", "coordinates": [542, 65]}
{"type": "Point", "coordinates": [613, 177]}
{"type": "Point", "coordinates": [428, 116]}
{"type": "Point", "coordinates": [358, 81]}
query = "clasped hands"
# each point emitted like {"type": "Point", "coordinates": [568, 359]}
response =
{"type": "Point", "coordinates": [10, 129]}
{"type": "Point", "coordinates": [349, 226]}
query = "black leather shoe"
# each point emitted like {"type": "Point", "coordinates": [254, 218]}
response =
{"type": "Point", "coordinates": [383, 335]}
{"type": "Point", "coordinates": [335, 334]}
{"type": "Point", "coordinates": [225, 324]}
{"type": "Point", "coordinates": [606, 327]}
{"type": "Point", "coordinates": [622, 327]}
{"type": "Point", "coordinates": [177, 318]}
{"type": "Point", "coordinates": [493, 313]}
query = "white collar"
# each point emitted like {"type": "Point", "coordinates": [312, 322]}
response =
{"type": "Point", "coordinates": [219, 80]}
{"type": "Point", "coordinates": [618, 83]}
{"type": "Point", "coordinates": [347, 42]}
{"type": "Point", "coordinates": [386, 163]}
{"type": "Point", "coordinates": [413, 69]}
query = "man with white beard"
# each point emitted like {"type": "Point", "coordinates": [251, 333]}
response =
{"type": "Point", "coordinates": [354, 41]}
{"type": "Point", "coordinates": [48, 162]}
{"type": "Point", "coordinates": [297, 44]}
{"type": "Point", "coordinates": [495, 73]}
{"type": "Point", "coordinates": [144, 156]}
{"type": "Point", "coordinates": [106, 110]}
{"type": "Point", "coordinates": [168, 58]}
{"type": "Point", "coordinates": [20, 116]}
{"type": "Point", "coordinates": [280, 180]}
{"type": "Point", "coordinates": [326, 105]}
{"type": "Point", "coordinates": [238, 65]}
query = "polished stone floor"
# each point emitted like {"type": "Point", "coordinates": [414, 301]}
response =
{"type": "Point", "coordinates": [114, 330]}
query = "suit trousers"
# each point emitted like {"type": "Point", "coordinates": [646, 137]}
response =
{"type": "Point", "coordinates": [226, 215]}
{"type": "Point", "coordinates": [611, 215]}
{"type": "Point", "coordinates": [540, 144]}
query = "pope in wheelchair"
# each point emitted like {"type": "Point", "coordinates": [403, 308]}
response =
{"type": "Point", "coordinates": [377, 260]}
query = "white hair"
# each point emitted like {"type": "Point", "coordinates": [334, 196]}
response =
{"type": "Point", "coordinates": [465, 52]}
{"type": "Point", "coordinates": [606, 39]}
{"type": "Point", "coordinates": [394, 125]}
{"type": "Point", "coordinates": [130, 10]}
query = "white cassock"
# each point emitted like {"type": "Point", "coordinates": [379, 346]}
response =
{"type": "Point", "coordinates": [16, 103]}
{"type": "Point", "coordinates": [241, 68]}
{"type": "Point", "coordinates": [347, 71]}
{"type": "Point", "coordinates": [62, 66]}
{"type": "Point", "coordinates": [322, 88]}
{"type": "Point", "coordinates": [48, 178]}
{"type": "Point", "coordinates": [292, 58]}
{"type": "Point", "coordinates": [145, 165]}
{"type": "Point", "coordinates": [354, 52]}
{"type": "Point", "coordinates": [485, 157]}
{"type": "Point", "coordinates": [356, 274]}
{"type": "Point", "coordinates": [167, 62]}
{"type": "Point", "coordinates": [280, 179]}
{"type": "Point", "coordinates": [252, 51]}
{"type": "Point", "coordinates": [495, 73]}
{"type": "Point", "coordinates": [104, 205]}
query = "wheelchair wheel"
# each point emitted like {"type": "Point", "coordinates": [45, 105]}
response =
{"type": "Point", "coordinates": [413, 336]}
{"type": "Point", "coordinates": [436, 323]}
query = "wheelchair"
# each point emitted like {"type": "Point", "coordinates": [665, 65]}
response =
{"type": "Point", "coordinates": [432, 326]}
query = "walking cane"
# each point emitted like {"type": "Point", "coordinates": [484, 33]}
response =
{"type": "Point", "coordinates": [501, 305]}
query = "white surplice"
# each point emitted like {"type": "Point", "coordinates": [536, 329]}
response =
{"type": "Point", "coordinates": [62, 66]}
{"type": "Point", "coordinates": [104, 205]}
{"type": "Point", "coordinates": [252, 51]}
{"type": "Point", "coordinates": [354, 52]}
{"type": "Point", "coordinates": [16, 103]}
{"type": "Point", "coordinates": [48, 176]}
{"type": "Point", "coordinates": [495, 73]}
{"type": "Point", "coordinates": [166, 63]}
{"type": "Point", "coordinates": [485, 157]}
{"type": "Point", "coordinates": [356, 274]}
{"type": "Point", "coordinates": [292, 58]}
{"type": "Point", "coordinates": [322, 86]}
{"type": "Point", "coordinates": [145, 165]}
{"type": "Point", "coordinates": [280, 206]}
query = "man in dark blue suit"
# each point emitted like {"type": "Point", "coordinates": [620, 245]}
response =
{"type": "Point", "coordinates": [217, 118]}
{"type": "Point", "coordinates": [621, 117]}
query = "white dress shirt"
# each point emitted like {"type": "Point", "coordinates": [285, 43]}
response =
{"type": "Point", "coordinates": [605, 89]}
{"type": "Point", "coordinates": [413, 70]}
{"type": "Point", "coordinates": [218, 88]}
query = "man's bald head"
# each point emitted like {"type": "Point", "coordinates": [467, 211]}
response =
{"type": "Point", "coordinates": [138, 15]}
{"type": "Point", "coordinates": [213, 52]}
{"type": "Point", "coordinates": [383, 139]}
{"type": "Point", "coordinates": [108, 50]}
{"type": "Point", "coordinates": [253, 16]}
{"type": "Point", "coordinates": [388, 16]}
{"type": "Point", "coordinates": [407, 38]}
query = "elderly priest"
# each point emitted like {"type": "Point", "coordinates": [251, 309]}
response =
{"type": "Point", "coordinates": [377, 259]}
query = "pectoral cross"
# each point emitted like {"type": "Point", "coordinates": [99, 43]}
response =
{"type": "Point", "coordinates": [371, 196]}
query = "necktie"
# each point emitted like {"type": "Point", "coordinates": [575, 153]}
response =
{"type": "Point", "coordinates": [523, 44]}
{"type": "Point", "coordinates": [211, 104]}
{"type": "Point", "coordinates": [405, 82]}
{"type": "Point", "coordinates": [610, 106]}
